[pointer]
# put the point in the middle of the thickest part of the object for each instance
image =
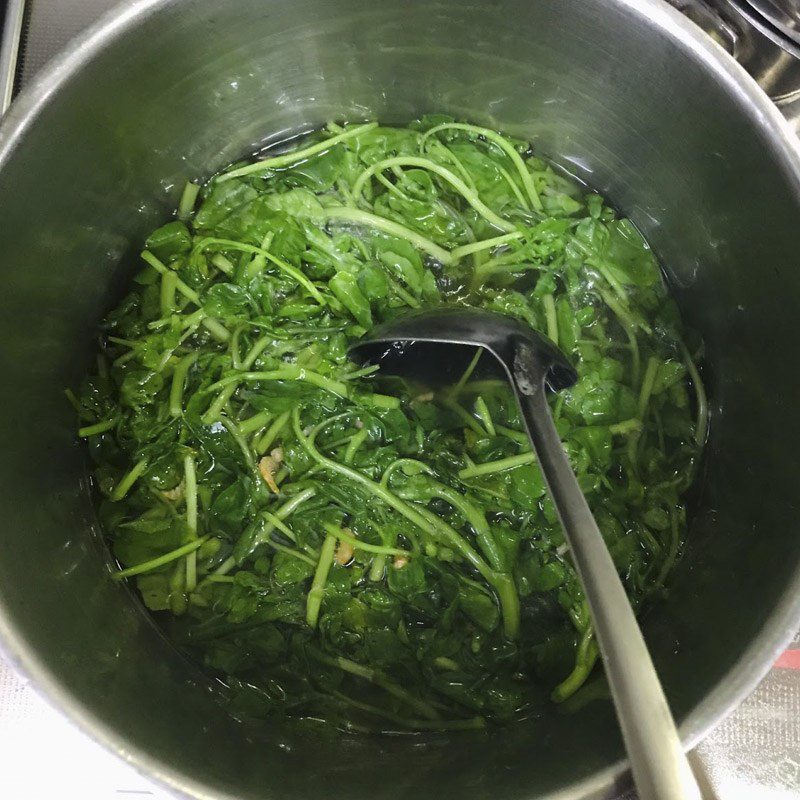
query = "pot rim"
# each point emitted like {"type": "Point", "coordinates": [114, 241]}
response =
{"type": "Point", "coordinates": [743, 676]}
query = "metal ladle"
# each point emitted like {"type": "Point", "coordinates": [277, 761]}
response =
{"type": "Point", "coordinates": [424, 345]}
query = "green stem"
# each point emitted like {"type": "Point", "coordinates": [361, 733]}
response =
{"type": "Point", "coordinates": [282, 513]}
{"type": "Point", "coordinates": [263, 444]}
{"type": "Point", "coordinates": [155, 563]}
{"type": "Point", "coordinates": [514, 188]}
{"type": "Point", "coordinates": [190, 492]}
{"type": "Point", "coordinates": [220, 401]}
{"type": "Point", "coordinates": [275, 522]}
{"type": "Point", "coordinates": [365, 546]}
{"type": "Point", "coordinates": [123, 342]}
{"type": "Point", "coordinates": [516, 436]}
{"type": "Point", "coordinates": [629, 325]}
{"type": "Point", "coordinates": [625, 315]}
{"type": "Point", "coordinates": [502, 584]}
{"type": "Point", "coordinates": [218, 330]}
{"type": "Point", "coordinates": [184, 289]}
{"type": "Point", "coordinates": [247, 453]}
{"type": "Point", "coordinates": [457, 253]}
{"type": "Point", "coordinates": [230, 244]}
{"type": "Point", "coordinates": [223, 264]}
{"type": "Point", "coordinates": [290, 372]}
{"type": "Point", "coordinates": [178, 382]}
{"type": "Point", "coordinates": [423, 519]}
{"type": "Point", "coordinates": [425, 163]}
{"type": "Point", "coordinates": [475, 517]}
{"type": "Point", "coordinates": [295, 372]}
{"type": "Point", "coordinates": [376, 400]}
{"type": "Point", "coordinates": [254, 423]}
{"type": "Point", "coordinates": [233, 347]}
{"type": "Point", "coordinates": [360, 217]}
{"type": "Point", "coordinates": [73, 400]}
{"type": "Point", "coordinates": [290, 551]}
{"type": "Point", "coordinates": [456, 162]}
{"type": "Point", "coordinates": [601, 267]}
{"type": "Point", "coordinates": [672, 550]}
{"type": "Point", "coordinates": [259, 261]}
{"type": "Point", "coordinates": [509, 603]}
{"type": "Point", "coordinates": [503, 464]}
{"type": "Point", "coordinates": [551, 317]}
{"type": "Point", "coordinates": [467, 374]}
{"type": "Point", "coordinates": [373, 676]}
{"type": "Point", "coordinates": [482, 410]}
{"type": "Point", "coordinates": [187, 201]}
{"type": "Point", "coordinates": [98, 427]}
{"type": "Point", "coordinates": [355, 442]}
{"type": "Point", "coordinates": [647, 386]}
{"type": "Point", "coordinates": [417, 467]}
{"type": "Point", "coordinates": [278, 523]}
{"type": "Point", "coordinates": [701, 427]}
{"type": "Point", "coordinates": [463, 415]}
{"type": "Point", "coordinates": [215, 409]}
{"type": "Point", "coordinates": [505, 146]}
{"type": "Point", "coordinates": [626, 426]}
{"type": "Point", "coordinates": [296, 155]}
{"type": "Point", "coordinates": [315, 593]}
{"type": "Point", "coordinates": [390, 187]}
{"type": "Point", "coordinates": [286, 510]}
{"type": "Point", "coordinates": [471, 724]}
{"type": "Point", "coordinates": [415, 515]}
{"type": "Point", "coordinates": [361, 373]}
{"type": "Point", "coordinates": [127, 481]}
{"type": "Point", "coordinates": [402, 293]}
{"type": "Point", "coordinates": [484, 271]}
{"type": "Point", "coordinates": [585, 660]}
{"type": "Point", "coordinates": [219, 579]}
{"type": "Point", "coordinates": [377, 569]}
{"type": "Point", "coordinates": [169, 282]}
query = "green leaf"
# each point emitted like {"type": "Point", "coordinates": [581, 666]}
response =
{"type": "Point", "coordinates": [223, 200]}
{"type": "Point", "coordinates": [344, 286]}
{"type": "Point", "coordinates": [231, 507]}
{"type": "Point", "coordinates": [448, 593]}
{"type": "Point", "coordinates": [407, 581]}
{"type": "Point", "coordinates": [373, 283]}
{"type": "Point", "coordinates": [224, 300]}
{"type": "Point", "coordinates": [526, 486]}
{"type": "Point", "coordinates": [288, 570]}
{"type": "Point", "coordinates": [155, 591]}
{"type": "Point", "coordinates": [480, 607]}
{"type": "Point", "coordinates": [139, 387]}
{"type": "Point", "coordinates": [169, 241]}
{"type": "Point", "coordinates": [300, 204]}
{"type": "Point", "coordinates": [620, 248]}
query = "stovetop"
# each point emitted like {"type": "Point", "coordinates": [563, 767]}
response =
{"type": "Point", "coordinates": [753, 755]}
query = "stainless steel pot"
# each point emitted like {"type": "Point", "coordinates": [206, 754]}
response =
{"type": "Point", "coordinates": [629, 96]}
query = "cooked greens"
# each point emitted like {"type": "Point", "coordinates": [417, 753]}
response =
{"type": "Point", "coordinates": [336, 544]}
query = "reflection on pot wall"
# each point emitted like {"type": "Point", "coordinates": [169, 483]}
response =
{"type": "Point", "coordinates": [624, 94]}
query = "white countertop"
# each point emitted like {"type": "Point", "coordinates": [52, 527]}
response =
{"type": "Point", "coordinates": [43, 756]}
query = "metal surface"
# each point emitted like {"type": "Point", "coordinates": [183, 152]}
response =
{"type": "Point", "coordinates": [427, 341]}
{"type": "Point", "coordinates": [772, 58]}
{"type": "Point", "coordinates": [709, 19]}
{"type": "Point", "coordinates": [51, 25]}
{"type": "Point", "coordinates": [630, 96]}
{"type": "Point", "coordinates": [9, 50]}
{"type": "Point", "coordinates": [783, 14]}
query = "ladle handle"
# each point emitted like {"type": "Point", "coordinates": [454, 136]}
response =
{"type": "Point", "coordinates": [660, 768]}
